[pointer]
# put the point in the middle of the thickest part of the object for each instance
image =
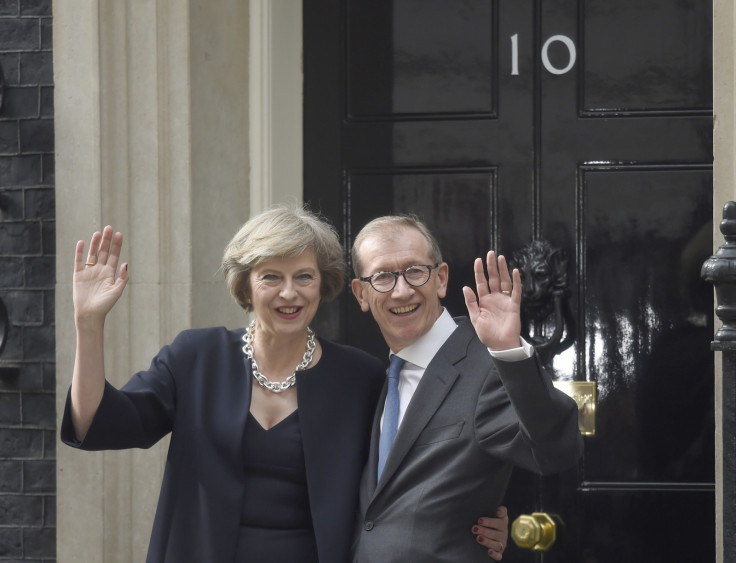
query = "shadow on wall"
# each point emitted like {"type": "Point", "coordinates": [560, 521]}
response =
{"type": "Point", "coordinates": [6, 369]}
{"type": "Point", "coordinates": [2, 87]}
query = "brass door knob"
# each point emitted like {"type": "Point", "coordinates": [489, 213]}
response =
{"type": "Point", "coordinates": [536, 531]}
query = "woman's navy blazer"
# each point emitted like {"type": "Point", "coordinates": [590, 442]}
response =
{"type": "Point", "coordinates": [199, 389]}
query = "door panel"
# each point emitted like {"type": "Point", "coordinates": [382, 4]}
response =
{"type": "Point", "coordinates": [634, 65]}
{"type": "Point", "coordinates": [641, 262]}
{"type": "Point", "coordinates": [432, 58]}
{"type": "Point", "coordinates": [644, 521]}
{"type": "Point", "coordinates": [579, 122]}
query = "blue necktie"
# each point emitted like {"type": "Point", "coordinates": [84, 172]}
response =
{"type": "Point", "coordinates": [390, 413]}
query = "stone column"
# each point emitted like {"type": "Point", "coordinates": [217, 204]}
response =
{"type": "Point", "coordinates": [720, 270]}
{"type": "Point", "coordinates": [151, 102]}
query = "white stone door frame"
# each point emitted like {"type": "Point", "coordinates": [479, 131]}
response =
{"type": "Point", "coordinates": [276, 103]}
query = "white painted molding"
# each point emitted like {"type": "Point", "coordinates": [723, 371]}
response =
{"type": "Point", "coordinates": [276, 103]}
{"type": "Point", "coordinates": [260, 105]}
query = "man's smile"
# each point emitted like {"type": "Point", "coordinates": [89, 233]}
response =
{"type": "Point", "coordinates": [405, 309]}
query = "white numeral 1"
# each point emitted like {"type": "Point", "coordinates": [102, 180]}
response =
{"type": "Point", "coordinates": [515, 54]}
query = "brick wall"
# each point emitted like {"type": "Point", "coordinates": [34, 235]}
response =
{"type": "Point", "coordinates": [27, 248]}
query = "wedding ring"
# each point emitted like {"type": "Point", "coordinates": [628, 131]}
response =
{"type": "Point", "coordinates": [90, 263]}
{"type": "Point", "coordinates": [506, 292]}
{"type": "Point", "coordinates": [500, 550]}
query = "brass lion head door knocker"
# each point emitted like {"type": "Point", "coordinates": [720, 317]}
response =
{"type": "Point", "coordinates": [547, 319]}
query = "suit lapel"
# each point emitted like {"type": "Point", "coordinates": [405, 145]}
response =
{"type": "Point", "coordinates": [436, 383]}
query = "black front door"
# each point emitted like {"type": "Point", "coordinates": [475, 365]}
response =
{"type": "Point", "coordinates": [583, 123]}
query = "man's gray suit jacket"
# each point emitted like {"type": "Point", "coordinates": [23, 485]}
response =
{"type": "Point", "coordinates": [470, 421]}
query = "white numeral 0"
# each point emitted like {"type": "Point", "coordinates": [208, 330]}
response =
{"type": "Point", "coordinates": [564, 39]}
{"type": "Point", "coordinates": [570, 47]}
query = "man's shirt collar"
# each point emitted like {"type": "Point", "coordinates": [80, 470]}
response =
{"type": "Point", "coordinates": [421, 352]}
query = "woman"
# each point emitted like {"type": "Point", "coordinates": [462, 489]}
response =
{"type": "Point", "coordinates": [269, 425]}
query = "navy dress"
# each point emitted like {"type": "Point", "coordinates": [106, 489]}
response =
{"type": "Point", "coordinates": [275, 521]}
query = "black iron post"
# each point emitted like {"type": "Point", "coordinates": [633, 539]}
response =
{"type": "Point", "coordinates": [720, 270]}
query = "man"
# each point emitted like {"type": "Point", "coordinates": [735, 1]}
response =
{"type": "Point", "coordinates": [473, 401]}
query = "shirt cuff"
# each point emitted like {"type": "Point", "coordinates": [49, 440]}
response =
{"type": "Point", "coordinates": [523, 352]}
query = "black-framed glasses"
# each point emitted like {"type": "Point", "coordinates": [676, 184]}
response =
{"type": "Point", "coordinates": [416, 276]}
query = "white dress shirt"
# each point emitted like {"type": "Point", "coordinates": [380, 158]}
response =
{"type": "Point", "coordinates": [419, 354]}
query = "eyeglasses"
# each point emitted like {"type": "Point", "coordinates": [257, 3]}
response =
{"type": "Point", "coordinates": [416, 276]}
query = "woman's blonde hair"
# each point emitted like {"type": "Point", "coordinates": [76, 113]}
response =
{"type": "Point", "coordinates": [283, 232]}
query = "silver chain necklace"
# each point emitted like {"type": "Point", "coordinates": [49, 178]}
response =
{"type": "Point", "coordinates": [262, 380]}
